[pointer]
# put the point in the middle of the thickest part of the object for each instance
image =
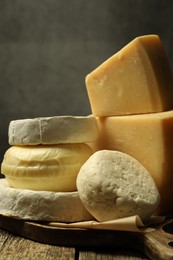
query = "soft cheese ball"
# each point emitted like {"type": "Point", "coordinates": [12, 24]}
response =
{"type": "Point", "coordinates": [114, 185]}
{"type": "Point", "coordinates": [44, 167]}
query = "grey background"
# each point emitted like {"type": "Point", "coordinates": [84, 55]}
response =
{"type": "Point", "coordinates": [47, 47]}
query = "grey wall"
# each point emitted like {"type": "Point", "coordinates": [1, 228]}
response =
{"type": "Point", "coordinates": [48, 46]}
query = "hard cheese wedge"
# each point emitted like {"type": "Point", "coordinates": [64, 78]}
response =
{"type": "Point", "coordinates": [149, 139]}
{"type": "Point", "coordinates": [137, 79]}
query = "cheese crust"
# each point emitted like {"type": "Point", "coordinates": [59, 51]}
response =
{"type": "Point", "coordinates": [53, 130]}
{"type": "Point", "coordinates": [114, 185]}
{"type": "Point", "coordinates": [41, 205]}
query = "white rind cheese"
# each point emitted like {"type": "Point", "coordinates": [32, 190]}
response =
{"type": "Point", "coordinates": [114, 185]}
{"type": "Point", "coordinates": [41, 205]}
{"type": "Point", "coordinates": [53, 130]}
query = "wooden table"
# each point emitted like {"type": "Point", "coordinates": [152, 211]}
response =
{"type": "Point", "coordinates": [21, 239]}
{"type": "Point", "coordinates": [13, 247]}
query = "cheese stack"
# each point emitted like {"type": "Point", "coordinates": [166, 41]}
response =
{"type": "Point", "coordinates": [131, 96]}
{"type": "Point", "coordinates": [41, 167]}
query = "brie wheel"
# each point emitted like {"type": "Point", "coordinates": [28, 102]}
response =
{"type": "Point", "coordinates": [44, 167]}
{"type": "Point", "coordinates": [53, 130]}
{"type": "Point", "coordinates": [41, 205]}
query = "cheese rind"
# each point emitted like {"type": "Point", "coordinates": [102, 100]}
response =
{"type": "Point", "coordinates": [44, 167]}
{"type": "Point", "coordinates": [114, 185]}
{"type": "Point", "coordinates": [41, 205]}
{"type": "Point", "coordinates": [53, 130]}
{"type": "Point", "coordinates": [149, 139]}
{"type": "Point", "coordinates": [137, 79]}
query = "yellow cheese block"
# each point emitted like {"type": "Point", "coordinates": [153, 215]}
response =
{"type": "Point", "coordinates": [44, 167]}
{"type": "Point", "coordinates": [137, 79]}
{"type": "Point", "coordinates": [149, 139]}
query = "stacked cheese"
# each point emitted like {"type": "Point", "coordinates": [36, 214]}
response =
{"type": "Point", "coordinates": [131, 95]}
{"type": "Point", "coordinates": [41, 167]}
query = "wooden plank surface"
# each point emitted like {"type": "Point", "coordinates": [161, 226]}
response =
{"type": "Point", "coordinates": [31, 240]}
{"type": "Point", "coordinates": [18, 240]}
{"type": "Point", "coordinates": [14, 247]}
{"type": "Point", "coordinates": [111, 255]}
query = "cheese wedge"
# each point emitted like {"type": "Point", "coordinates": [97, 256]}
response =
{"type": "Point", "coordinates": [53, 130]}
{"type": "Point", "coordinates": [41, 205]}
{"type": "Point", "coordinates": [137, 79]}
{"type": "Point", "coordinates": [149, 139]}
{"type": "Point", "coordinates": [44, 167]}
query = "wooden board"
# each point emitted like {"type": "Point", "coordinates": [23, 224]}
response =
{"type": "Point", "coordinates": [156, 244]}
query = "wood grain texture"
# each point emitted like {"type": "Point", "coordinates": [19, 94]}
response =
{"type": "Point", "coordinates": [3, 238]}
{"type": "Point", "coordinates": [158, 244]}
{"type": "Point", "coordinates": [111, 255]}
{"type": "Point", "coordinates": [74, 237]}
{"type": "Point", "coordinates": [16, 247]}
{"type": "Point", "coordinates": [80, 243]}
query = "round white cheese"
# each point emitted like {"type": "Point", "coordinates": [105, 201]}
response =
{"type": "Point", "coordinates": [44, 167]}
{"type": "Point", "coordinates": [53, 130]}
{"type": "Point", "coordinates": [114, 185]}
{"type": "Point", "coordinates": [41, 205]}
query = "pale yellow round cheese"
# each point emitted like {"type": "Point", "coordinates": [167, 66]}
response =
{"type": "Point", "coordinates": [41, 205]}
{"type": "Point", "coordinates": [53, 130]}
{"type": "Point", "coordinates": [44, 167]}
